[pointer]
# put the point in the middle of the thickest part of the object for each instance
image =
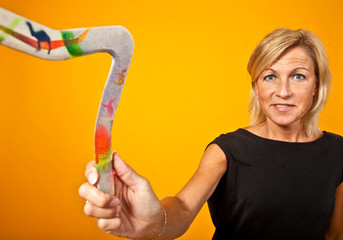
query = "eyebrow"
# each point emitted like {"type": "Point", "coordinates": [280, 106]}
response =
{"type": "Point", "coordinates": [292, 70]}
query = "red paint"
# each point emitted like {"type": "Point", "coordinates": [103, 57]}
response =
{"type": "Point", "coordinates": [102, 141]}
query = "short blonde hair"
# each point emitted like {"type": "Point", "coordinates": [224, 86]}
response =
{"type": "Point", "coordinates": [269, 50]}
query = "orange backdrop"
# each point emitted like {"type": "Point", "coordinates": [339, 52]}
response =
{"type": "Point", "coordinates": [187, 83]}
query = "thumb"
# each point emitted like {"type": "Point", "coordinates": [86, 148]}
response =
{"type": "Point", "coordinates": [91, 173]}
{"type": "Point", "coordinates": [125, 172]}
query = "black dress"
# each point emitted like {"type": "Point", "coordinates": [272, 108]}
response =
{"type": "Point", "coordinates": [276, 190]}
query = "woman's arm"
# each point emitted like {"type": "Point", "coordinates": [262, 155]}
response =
{"type": "Point", "coordinates": [135, 211]}
{"type": "Point", "coordinates": [335, 227]}
{"type": "Point", "coordinates": [183, 208]}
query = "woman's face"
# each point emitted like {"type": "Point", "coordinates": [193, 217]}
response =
{"type": "Point", "coordinates": [286, 89]}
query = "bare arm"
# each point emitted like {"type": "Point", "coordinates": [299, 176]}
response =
{"type": "Point", "coordinates": [335, 227]}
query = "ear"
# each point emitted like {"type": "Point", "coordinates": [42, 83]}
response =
{"type": "Point", "coordinates": [316, 89]}
{"type": "Point", "coordinates": [315, 92]}
{"type": "Point", "coordinates": [254, 88]}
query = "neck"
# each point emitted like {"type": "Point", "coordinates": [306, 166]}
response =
{"type": "Point", "coordinates": [287, 133]}
{"type": "Point", "coordinates": [294, 133]}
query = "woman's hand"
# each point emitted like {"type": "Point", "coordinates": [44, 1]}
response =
{"type": "Point", "coordinates": [134, 211]}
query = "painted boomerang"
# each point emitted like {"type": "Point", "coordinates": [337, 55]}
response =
{"type": "Point", "coordinates": [39, 41]}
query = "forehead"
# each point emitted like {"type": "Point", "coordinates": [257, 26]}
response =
{"type": "Point", "coordinates": [295, 57]}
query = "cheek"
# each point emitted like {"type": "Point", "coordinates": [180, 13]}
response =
{"type": "Point", "coordinates": [261, 91]}
{"type": "Point", "coordinates": [306, 99]}
{"type": "Point", "coordinates": [264, 94]}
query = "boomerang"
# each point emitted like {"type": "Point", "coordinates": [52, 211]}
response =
{"type": "Point", "coordinates": [37, 40]}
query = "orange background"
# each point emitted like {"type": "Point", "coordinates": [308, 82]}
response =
{"type": "Point", "coordinates": [187, 83]}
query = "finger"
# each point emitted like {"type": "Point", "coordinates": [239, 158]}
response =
{"type": "Point", "coordinates": [91, 173]}
{"type": "Point", "coordinates": [118, 186]}
{"type": "Point", "coordinates": [97, 197]}
{"type": "Point", "coordinates": [125, 172]}
{"type": "Point", "coordinates": [94, 211]}
{"type": "Point", "coordinates": [109, 225]}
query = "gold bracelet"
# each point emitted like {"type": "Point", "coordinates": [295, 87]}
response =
{"type": "Point", "coordinates": [164, 225]}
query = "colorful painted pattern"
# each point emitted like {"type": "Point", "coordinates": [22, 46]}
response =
{"type": "Point", "coordinates": [74, 49]}
{"type": "Point", "coordinates": [103, 143]}
{"type": "Point", "coordinates": [67, 42]}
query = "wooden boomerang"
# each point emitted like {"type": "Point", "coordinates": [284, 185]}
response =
{"type": "Point", "coordinates": [39, 41]}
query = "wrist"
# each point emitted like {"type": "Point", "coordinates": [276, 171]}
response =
{"type": "Point", "coordinates": [165, 220]}
{"type": "Point", "coordinates": [155, 229]}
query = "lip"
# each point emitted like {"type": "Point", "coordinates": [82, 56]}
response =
{"type": "Point", "coordinates": [283, 107]}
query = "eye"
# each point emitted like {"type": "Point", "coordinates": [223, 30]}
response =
{"type": "Point", "coordinates": [269, 77]}
{"type": "Point", "coordinates": [299, 77]}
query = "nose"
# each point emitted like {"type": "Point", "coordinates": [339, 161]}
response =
{"type": "Point", "coordinates": [283, 89]}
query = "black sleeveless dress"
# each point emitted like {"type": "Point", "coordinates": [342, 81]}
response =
{"type": "Point", "coordinates": [276, 190]}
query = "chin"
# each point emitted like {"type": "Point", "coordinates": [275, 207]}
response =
{"type": "Point", "coordinates": [284, 122]}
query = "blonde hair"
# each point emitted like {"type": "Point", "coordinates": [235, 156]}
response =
{"type": "Point", "coordinates": [269, 50]}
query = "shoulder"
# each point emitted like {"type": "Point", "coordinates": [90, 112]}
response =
{"type": "Point", "coordinates": [233, 137]}
{"type": "Point", "coordinates": [334, 136]}
{"type": "Point", "coordinates": [332, 144]}
{"type": "Point", "coordinates": [333, 140]}
{"type": "Point", "coordinates": [234, 142]}
{"type": "Point", "coordinates": [214, 156]}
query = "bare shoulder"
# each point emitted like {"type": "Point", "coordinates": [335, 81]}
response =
{"type": "Point", "coordinates": [213, 158]}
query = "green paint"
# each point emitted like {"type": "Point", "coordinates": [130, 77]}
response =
{"type": "Point", "coordinates": [74, 50]}
{"type": "Point", "coordinates": [13, 24]}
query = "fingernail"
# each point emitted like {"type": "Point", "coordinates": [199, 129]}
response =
{"type": "Point", "coordinates": [115, 154]}
{"type": "Point", "coordinates": [114, 202]}
{"type": "Point", "coordinates": [92, 178]}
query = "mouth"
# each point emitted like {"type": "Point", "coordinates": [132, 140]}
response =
{"type": "Point", "coordinates": [283, 107]}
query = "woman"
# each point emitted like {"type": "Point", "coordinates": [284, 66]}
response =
{"type": "Point", "coordinates": [279, 178]}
